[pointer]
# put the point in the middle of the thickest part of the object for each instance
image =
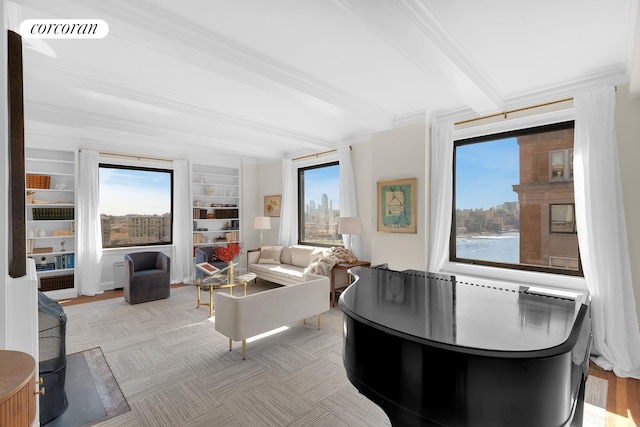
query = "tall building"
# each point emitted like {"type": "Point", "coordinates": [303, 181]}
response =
{"type": "Point", "coordinates": [548, 234]}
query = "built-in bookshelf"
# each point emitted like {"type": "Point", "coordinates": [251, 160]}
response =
{"type": "Point", "coordinates": [51, 213]}
{"type": "Point", "coordinates": [216, 205]}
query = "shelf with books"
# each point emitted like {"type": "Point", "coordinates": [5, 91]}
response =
{"type": "Point", "coordinates": [215, 204]}
{"type": "Point", "coordinates": [51, 213]}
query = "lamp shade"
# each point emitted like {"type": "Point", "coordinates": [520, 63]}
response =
{"type": "Point", "coordinates": [262, 223]}
{"type": "Point", "coordinates": [349, 225]}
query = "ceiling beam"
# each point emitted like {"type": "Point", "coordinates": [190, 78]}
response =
{"type": "Point", "coordinates": [411, 29]}
{"type": "Point", "coordinates": [145, 24]}
{"type": "Point", "coordinates": [112, 91]}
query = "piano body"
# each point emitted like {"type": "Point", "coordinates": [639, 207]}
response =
{"type": "Point", "coordinates": [439, 350]}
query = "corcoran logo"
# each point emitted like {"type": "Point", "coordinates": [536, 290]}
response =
{"type": "Point", "coordinates": [63, 29]}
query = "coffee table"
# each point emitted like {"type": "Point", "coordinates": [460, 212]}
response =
{"type": "Point", "coordinates": [219, 281]}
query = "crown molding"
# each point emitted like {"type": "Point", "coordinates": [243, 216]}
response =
{"type": "Point", "coordinates": [86, 125]}
{"type": "Point", "coordinates": [418, 117]}
{"type": "Point", "coordinates": [609, 76]}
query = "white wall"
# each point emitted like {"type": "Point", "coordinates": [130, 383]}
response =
{"type": "Point", "coordinates": [397, 154]}
{"type": "Point", "coordinates": [250, 208]}
{"type": "Point", "coordinates": [628, 139]}
{"type": "Point", "coordinates": [269, 184]}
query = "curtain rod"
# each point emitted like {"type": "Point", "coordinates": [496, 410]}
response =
{"type": "Point", "coordinates": [513, 111]}
{"type": "Point", "coordinates": [317, 154]}
{"type": "Point", "coordinates": [132, 156]}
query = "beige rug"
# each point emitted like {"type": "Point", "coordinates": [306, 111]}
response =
{"type": "Point", "coordinates": [174, 369]}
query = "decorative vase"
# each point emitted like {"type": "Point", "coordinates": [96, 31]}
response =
{"type": "Point", "coordinates": [231, 274]}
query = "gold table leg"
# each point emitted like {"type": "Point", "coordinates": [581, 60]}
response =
{"type": "Point", "coordinates": [210, 301]}
{"type": "Point", "coordinates": [198, 305]}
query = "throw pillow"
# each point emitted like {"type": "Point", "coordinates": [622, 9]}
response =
{"type": "Point", "coordinates": [301, 256]}
{"type": "Point", "coordinates": [270, 255]}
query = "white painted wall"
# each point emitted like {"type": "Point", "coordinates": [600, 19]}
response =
{"type": "Point", "coordinates": [269, 184]}
{"type": "Point", "coordinates": [397, 154]}
{"type": "Point", "coordinates": [628, 139]}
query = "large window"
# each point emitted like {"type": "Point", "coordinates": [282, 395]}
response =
{"type": "Point", "coordinates": [319, 205]}
{"type": "Point", "coordinates": [513, 200]}
{"type": "Point", "coordinates": [136, 206]}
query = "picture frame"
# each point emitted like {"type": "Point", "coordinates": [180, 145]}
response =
{"type": "Point", "coordinates": [272, 205]}
{"type": "Point", "coordinates": [208, 268]}
{"type": "Point", "coordinates": [397, 212]}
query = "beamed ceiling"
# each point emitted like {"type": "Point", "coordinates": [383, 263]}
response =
{"type": "Point", "coordinates": [271, 79]}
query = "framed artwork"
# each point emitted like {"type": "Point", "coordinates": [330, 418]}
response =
{"type": "Point", "coordinates": [272, 205]}
{"type": "Point", "coordinates": [397, 206]}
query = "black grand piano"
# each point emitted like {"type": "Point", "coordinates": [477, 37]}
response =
{"type": "Point", "coordinates": [439, 350]}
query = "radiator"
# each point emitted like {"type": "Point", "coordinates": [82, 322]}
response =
{"type": "Point", "coordinates": [118, 275]}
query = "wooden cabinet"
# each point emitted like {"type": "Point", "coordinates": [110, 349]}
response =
{"type": "Point", "coordinates": [216, 205]}
{"type": "Point", "coordinates": [51, 213]}
{"type": "Point", "coordinates": [17, 389]}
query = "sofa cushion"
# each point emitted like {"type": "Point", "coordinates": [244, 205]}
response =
{"type": "Point", "coordinates": [283, 270]}
{"type": "Point", "coordinates": [301, 256]}
{"type": "Point", "coordinates": [285, 256]}
{"type": "Point", "coordinates": [270, 255]}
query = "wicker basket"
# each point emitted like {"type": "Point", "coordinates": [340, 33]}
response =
{"type": "Point", "coordinates": [52, 283]}
{"type": "Point", "coordinates": [38, 181]}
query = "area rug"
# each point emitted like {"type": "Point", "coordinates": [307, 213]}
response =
{"type": "Point", "coordinates": [175, 369]}
{"type": "Point", "coordinates": [92, 391]}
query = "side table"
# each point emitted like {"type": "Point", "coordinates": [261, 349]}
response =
{"type": "Point", "coordinates": [345, 267]}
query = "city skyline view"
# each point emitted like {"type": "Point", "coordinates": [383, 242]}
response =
{"type": "Point", "coordinates": [485, 174]}
{"type": "Point", "coordinates": [323, 181]}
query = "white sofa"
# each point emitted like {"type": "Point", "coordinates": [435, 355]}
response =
{"type": "Point", "coordinates": [287, 268]}
{"type": "Point", "coordinates": [242, 317]}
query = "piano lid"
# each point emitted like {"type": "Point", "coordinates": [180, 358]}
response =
{"type": "Point", "coordinates": [464, 311]}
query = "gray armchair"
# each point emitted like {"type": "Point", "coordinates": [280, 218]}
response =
{"type": "Point", "coordinates": [147, 276]}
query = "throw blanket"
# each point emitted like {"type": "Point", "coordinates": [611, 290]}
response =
{"type": "Point", "coordinates": [326, 260]}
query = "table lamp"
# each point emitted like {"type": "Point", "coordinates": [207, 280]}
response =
{"type": "Point", "coordinates": [262, 223]}
{"type": "Point", "coordinates": [350, 225]}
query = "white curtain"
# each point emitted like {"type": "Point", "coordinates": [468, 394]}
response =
{"type": "Point", "coordinates": [441, 193]}
{"type": "Point", "coordinates": [348, 196]}
{"type": "Point", "coordinates": [89, 237]}
{"type": "Point", "coordinates": [181, 264]}
{"type": "Point", "coordinates": [602, 234]}
{"type": "Point", "coordinates": [288, 233]}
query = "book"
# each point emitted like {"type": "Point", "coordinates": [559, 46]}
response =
{"type": "Point", "coordinates": [208, 268]}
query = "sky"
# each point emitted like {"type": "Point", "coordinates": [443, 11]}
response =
{"type": "Point", "coordinates": [124, 191]}
{"type": "Point", "coordinates": [323, 181]}
{"type": "Point", "coordinates": [485, 174]}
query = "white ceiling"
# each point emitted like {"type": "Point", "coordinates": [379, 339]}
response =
{"type": "Point", "coordinates": [269, 79]}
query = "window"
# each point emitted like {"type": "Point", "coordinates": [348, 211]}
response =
{"type": "Point", "coordinates": [561, 164]}
{"type": "Point", "coordinates": [513, 200]}
{"type": "Point", "coordinates": [562, 219]}
{"type": "Point", "coordinates": [136, 206]}
{"type": "Point", "coordinates": [319, 205]}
